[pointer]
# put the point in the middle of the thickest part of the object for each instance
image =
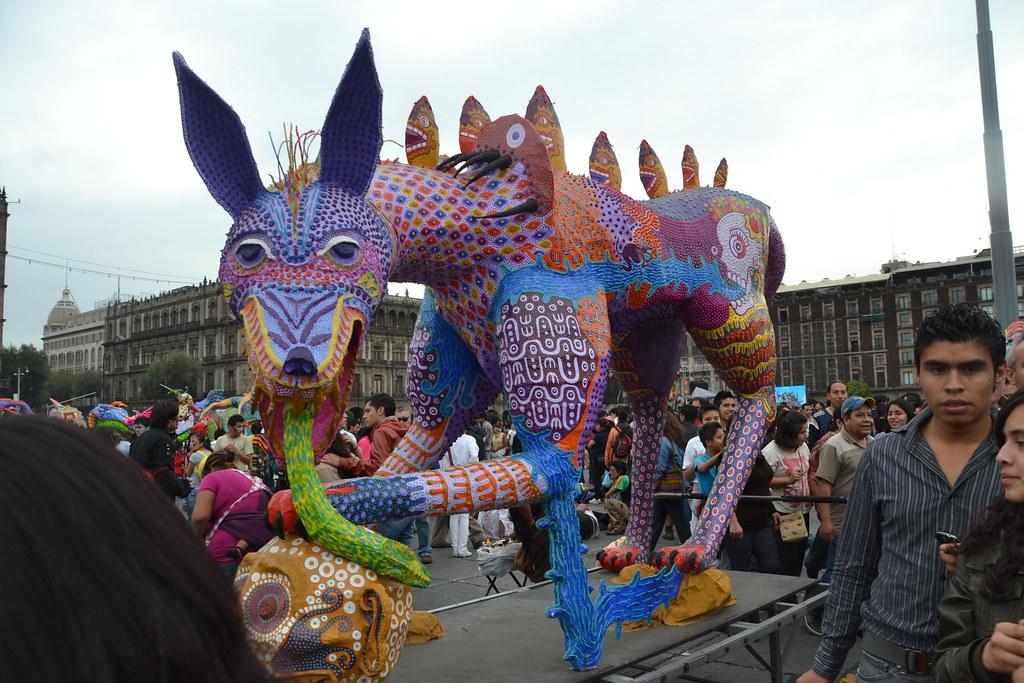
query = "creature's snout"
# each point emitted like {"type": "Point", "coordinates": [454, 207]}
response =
{"type": "Point", "coordinates": [299, 362]}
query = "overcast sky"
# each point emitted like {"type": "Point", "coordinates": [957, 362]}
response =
{"type": "Point", "coordinates": [858, 122]}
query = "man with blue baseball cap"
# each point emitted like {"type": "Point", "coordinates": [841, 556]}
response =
{"type": "Point", "coordinates": [837, 467]}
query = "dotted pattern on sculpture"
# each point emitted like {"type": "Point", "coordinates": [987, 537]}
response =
{"type": "Point", "coordinates": [546, 363]}
{"type": "Point", "coordinates": [305, 609]}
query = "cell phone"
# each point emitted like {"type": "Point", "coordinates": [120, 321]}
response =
{"type": "Point", "coordinates": [945, 537]}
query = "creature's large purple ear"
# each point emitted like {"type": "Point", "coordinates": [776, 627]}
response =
{"type": "Point", "coordinates": [216, 141]}
{"type": "Point", "coordinates": [351, 138]}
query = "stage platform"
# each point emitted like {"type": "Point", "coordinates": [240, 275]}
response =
{"type": "Point", "coordinates": [506, 637]}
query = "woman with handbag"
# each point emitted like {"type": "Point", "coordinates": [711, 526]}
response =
{"type": "Point", "coordinates": [229, 511]}
{"type": "Point", "coordinates": [788, 456]}
{"type": "Point", "coordinates": [669, 474]}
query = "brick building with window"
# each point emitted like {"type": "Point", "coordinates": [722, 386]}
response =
{"type": "Point", "coordinates": [863, 327]}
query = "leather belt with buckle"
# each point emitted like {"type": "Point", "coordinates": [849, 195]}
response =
{"type": "Point", "coordinates": [910, 661]}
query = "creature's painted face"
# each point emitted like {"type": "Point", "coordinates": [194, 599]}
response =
{"type": "Point", "coordinates": [303, 268]}
{"type": "Point", "coordinates": [604, 165]}
{"type": "Point", "coordinates": [471, 121]}
{"type": "Point", "coordinates": [305, 294]}
{"type": "Point", "coordinates": [541, 113]}
{"type": "Point", "coordinates": [306, 611]}
{"type": "Point", "coordinates": [652, 173]}
{"type": "Point", "coordinates": [422, 142]}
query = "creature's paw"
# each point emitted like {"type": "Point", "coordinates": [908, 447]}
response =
{"type": "Point", "coordinates": [686, 558]}
{"type": "Point", "coordinates": [282, 517]}
{"type": "Point", "coordinates": [615, 558]}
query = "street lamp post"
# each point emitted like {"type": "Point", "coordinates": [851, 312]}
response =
{"type": "Point", "coordinates": [18, 374]}
{"type": "Point", "coordinates": [1004, 270]}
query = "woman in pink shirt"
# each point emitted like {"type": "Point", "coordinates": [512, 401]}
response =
{"type": "Point", "coordinates": [229, 511]}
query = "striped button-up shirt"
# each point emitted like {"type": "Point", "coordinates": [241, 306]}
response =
{"type": "Point", "coordinates": [887, 570]}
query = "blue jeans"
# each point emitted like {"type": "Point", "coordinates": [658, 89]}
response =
{"type": "Point", "coordinates": [826, 578]}
{"type": "Point", "coordinates": [871, 669]}
{"type": "Point", "coordinates": [760, 544]}
{"type": "Point", "coordinates": [401, 530]}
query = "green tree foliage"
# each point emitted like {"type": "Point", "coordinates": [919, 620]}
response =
{"type": "Point", "coordinates": [63, 385]}
{"type": "Point", "coordinates": [33, 383]}
{"type": "Point", "coordinates": [178, 371]}
{"type": "Point", "coordinates": [857, 388]}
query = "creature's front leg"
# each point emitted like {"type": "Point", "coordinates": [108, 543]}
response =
{"type": "Point", "coordinates": [447, 389]}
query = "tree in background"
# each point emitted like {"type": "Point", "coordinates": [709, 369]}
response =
{"type": "Point", "coordinates": [63, 385]}
{"type": "Point", "coordinates": [33, 383]}
{"type": "Point", "coordinates": [177, 371]}
{"type": "Point", "coordinates": [857, 388]}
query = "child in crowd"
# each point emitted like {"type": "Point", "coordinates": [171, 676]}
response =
{"type": "Point", "coordinates": [616, 500]}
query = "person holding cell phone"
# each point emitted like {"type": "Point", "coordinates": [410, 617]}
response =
{"type": "Point", "coordinates": [981, 616]}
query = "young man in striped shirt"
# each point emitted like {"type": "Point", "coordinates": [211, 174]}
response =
{"type": "Point", "coordinates": [935, 474]}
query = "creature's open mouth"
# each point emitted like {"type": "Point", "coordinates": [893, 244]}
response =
{"type": "Point", "coordinates": [328, 389]}
{"type": "Point", "coordinates": [415, 139]}
{"type": "Point", "coordinates": [648, 178]}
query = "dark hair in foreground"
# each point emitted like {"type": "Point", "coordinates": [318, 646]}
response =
{"type": "Point", "coordinates": [707, 432]}
{"type": "Point", "coordinates": [1001, 526]}
{"type": "Point", "coordinates": [164, 410]}
{"type": "Point", "coordinates": [103, 579]}
{"type": "Point", "coordinates": [961, 323]}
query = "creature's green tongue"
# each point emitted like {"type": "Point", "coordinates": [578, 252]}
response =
{"type": "Point", "coordinates": [325, 525]}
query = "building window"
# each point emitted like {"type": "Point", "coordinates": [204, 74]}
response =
{"type": "Point", "coordinates": [927, 312]}
{"type": "Point", "coordinates": [230, 388]}
{"type": "Point", "coordinates": [378, 352]}
{"type": "Point", "coordinates": [378, 384]}
{"type": "Point", "coordinates": [985, 293]}
{"type": "Point", "coordinates": [879, 359]}
{"type": "Point", "coordinates": [853, 334]}
{"type": "Point", "coordinates": [880, 378]}
{"type": "Point", "coordinates": [783, 315]}
{"type": "Point", "coordinates": [231, 342]}
{"type": "Point", "coordinates": [903, 319]}
{"type": "Point", "coordinates": [805, 312]}
{"type": "Point", "coordinates": [877, 339]}
{"type": "Point", "coordinates": [785, 373]}
{"type": "Point", "coordinates": [806, 337]}
{"type": "Point", "coordinates": [957, 295]}
{"type": "Point", "coordinates": [929, 297]}
{"type": "Point", "coordinates": [808, 371]}
{"type": "Point", "coordinates": [906, 338]}
{"type": "Point", "coordinates": [876, 304]}
{"type": "Point", "coordinates": [988, 309]}
{"type": "Point", "coordinates": [852, 308]}
{"type": "Point", "coordinates": [908, 377]}
{"type": "Point", "coordinates": [211, 346]}
{"type": "Point", "coordinates": [903, 301]}
{"type": "Point", "coordinates": [399, 385]}
{"type": "Point", "coordinates": [209, 382]}
{"type": "Point", "coordinates": [831, 368]}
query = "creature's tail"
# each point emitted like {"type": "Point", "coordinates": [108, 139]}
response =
{"type": "Point", "coordinates": [776, 261]}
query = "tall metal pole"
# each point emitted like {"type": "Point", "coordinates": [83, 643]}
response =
{"type": "Point", "coordinates": [1004, 275]}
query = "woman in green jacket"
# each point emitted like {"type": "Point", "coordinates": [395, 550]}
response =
{"type": "Point", "coordinates": [981, 617]}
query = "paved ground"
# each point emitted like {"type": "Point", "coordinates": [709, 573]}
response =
{"type": "Point", "coordinates": [458, 580]}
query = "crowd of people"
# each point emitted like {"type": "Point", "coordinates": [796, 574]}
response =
{"type": "Point", "coordinates": [919, 503]}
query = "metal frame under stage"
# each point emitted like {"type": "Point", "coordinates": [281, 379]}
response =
{"type": "Point", "coordinates": [506, 637]}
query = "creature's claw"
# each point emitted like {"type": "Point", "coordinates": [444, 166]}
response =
{"type": "Point", "coordinates": [687, 558]}
{"type": "Point", "coordinates": [615, 558]}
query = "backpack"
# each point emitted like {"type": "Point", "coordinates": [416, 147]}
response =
{"type": "Point", "coordinates": [623, 444]}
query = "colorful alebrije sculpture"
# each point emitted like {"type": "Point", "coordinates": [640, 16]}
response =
{"type": "Point", "coordinates": [471, 121]}
{"type": "Point", "coordinates": [422, 142]}
{"type": "Point", "coordinates": [14, 406]}
{"type": "Point", "coordinates": [539, 282]}
{"type": "Point", "coordinates": [604, 165]}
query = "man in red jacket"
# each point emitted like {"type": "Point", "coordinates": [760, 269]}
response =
{"type": "Point", "coordinates": [387, 431]}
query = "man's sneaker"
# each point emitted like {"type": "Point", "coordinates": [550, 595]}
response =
{"type": "Point", "coordinates": [813, 623]}
{"type": "Point", "coordinates": [426, 559]}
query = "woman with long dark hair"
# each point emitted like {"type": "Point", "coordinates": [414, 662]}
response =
{"type": "Point", "coordinates": [669, 474]}
{"type": "Point", "coordinates": [981, 634]}
{"type": "Point", "coordinates": [789, 456]}
{"type": "Point", "coordinates": [102, 580]}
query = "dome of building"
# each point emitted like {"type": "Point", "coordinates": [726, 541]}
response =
{"type": "Point", "coordinates": [62, 311]}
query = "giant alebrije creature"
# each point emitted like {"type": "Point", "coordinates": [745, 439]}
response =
{"type": "Point", "coordinates": [538, 284]}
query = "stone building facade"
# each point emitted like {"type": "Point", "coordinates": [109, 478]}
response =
{"type": "Point", "coordinates": [72, 340]}
{"type": "Point", "coordinates": [863, 327]}
{"type": "Point", "coordinates": [197, 322]}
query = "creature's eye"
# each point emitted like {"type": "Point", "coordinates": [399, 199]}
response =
{"type": "Point", "coordinates": [515, 135]}
{"type": "Point", "coordinates": [342, 250]}
{"type": "Point", "coordinates": [738, 244]}
{"type": "Point", "coordinates": [252, 252]}
{"type": "Point", "coordinates": [425, 122]}
{"type": "Point", "coordinates": [542, 120]}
